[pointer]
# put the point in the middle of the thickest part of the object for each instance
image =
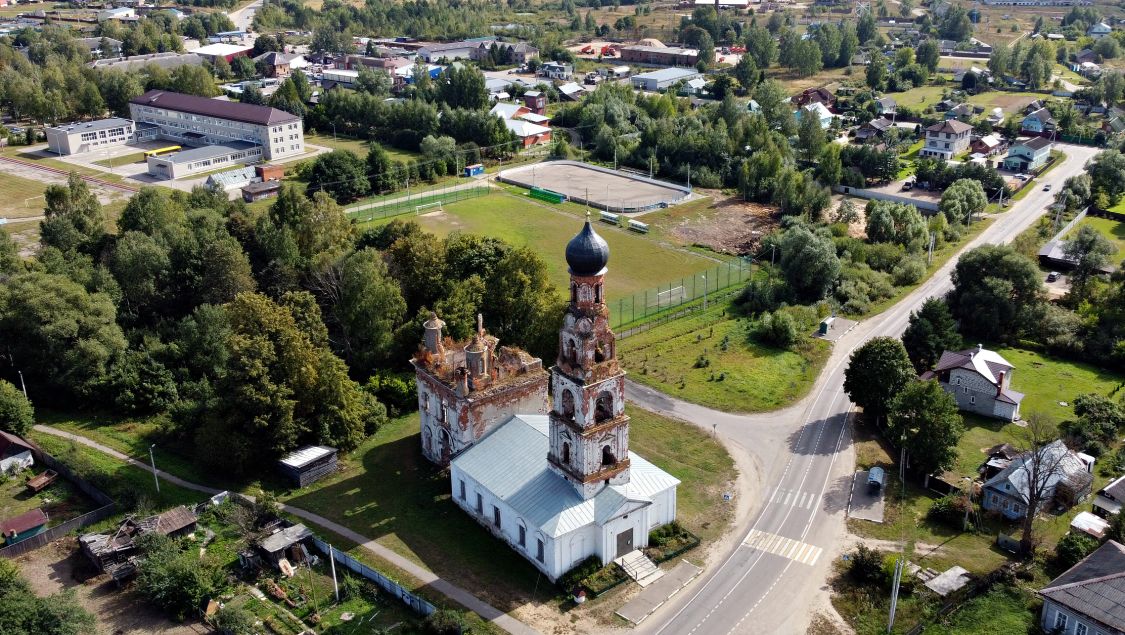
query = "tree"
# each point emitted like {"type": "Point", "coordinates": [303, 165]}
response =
{"type": "Point", "coordinates": [23, 612]}
{"type": "Point", "coordinates": [364, 307]}
{"type": "Point", "coordinates": [810, 137]}
{"type": "Point", "coordinates": [924, 420]}
{"type": "Point", "coordinates": [1041, 465]}
{"type": "Point", "coordinates": [876, 72]}
{"type": "Point", "coordinates": [829, 168]}
{"type": "Point", "coordinates": [898, 223]}
{"type": "Point", "coordinates": [1089, 250]}
{"type": "Point", "coordinates": [706, 47]}
{"type": "Point", "coordinates": [16, 414]}
{"type": "Point", "coordinates": [930, 332]}
{"type": "Point", "coordinates": [341, 174]}
{"type": "Point", "coordinates": [176, 580]}
{"type": "Point", "coordinates": [1001, 61]}
{"type": "Point", "coordinates": [463, 87]}
{"type": "Point", "coordinates": [1073, 547]}
{"type": "Point", "coordinates": [1107, 48]}
{"type": "Point", "coordinates": [373, 82]}
{"type": "Point", "coordinates": [10, 261]}
{"type": "Point", "coordinates": [746, 72]}
{"type": "Point", "coordinates": [59, 334]}
{"type": "Point", "coordinates": [809, 262]}
{"type": "Point", "coordinates": [955, 25]}
{"type": "Point", "coordinates": [808, 58]}
{"type": "Point", "coordinates": [524, 304]}
{"type": "Point", "coordinates": [194, 80]}
{"type": "Point", "coordinates": [877, 371]}
{"type": "Point", "coordinates": [772, 99]}
{"type": "Point", "coordinates": [961, 200]}
{"type": "Point", "coordinates": [849, 45]}
{"type": "Point", "coordinates": [929, 55]}
{"type": "Point", "coordinates": [866, 27]}
{"type": "Point", "coordinates": [761, 46]}
{"type": "Point", "coordinates": [73, 221]}
{"type": "Point", "coordinates": [995, 290]}
{"type": "Point", "coordinates": [1107, 174]}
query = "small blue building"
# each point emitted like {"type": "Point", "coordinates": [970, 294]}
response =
{"type": "Point", "coordinates": [23, 526]}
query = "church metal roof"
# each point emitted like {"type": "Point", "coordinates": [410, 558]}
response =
{"type": "Point", "coordinates": [511, 463]}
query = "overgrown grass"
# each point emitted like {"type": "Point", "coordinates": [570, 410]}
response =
{"type": "Point", "coordinates": [61, 500]}
{"type": "Point", "coordinates": [119, 480]}
{"type": "Point", "coordinates": [20, 197]}
{"type": "Point", "coordinates": [1113, 230]}
{"type": "Point", "coordinates": [745, 377]}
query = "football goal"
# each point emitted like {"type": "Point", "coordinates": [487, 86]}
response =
{"type": "Point", "coordinates": [435, 206]}
{"type": "Point", "coordinates": [671, 297]}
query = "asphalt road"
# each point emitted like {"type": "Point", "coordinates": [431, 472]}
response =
{"type": "Point", "coordinates": [774, 579]}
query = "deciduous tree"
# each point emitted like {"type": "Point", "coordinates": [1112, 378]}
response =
{"type": "Point", "coordinates": [930, 332]}
{"type": "Point", "coordinates": [877, 371]}
{"type": "Point", "coordinates": [924, 420]}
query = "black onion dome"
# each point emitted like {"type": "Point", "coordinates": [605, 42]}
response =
{"type": "Point", "coordinates": [587, 253]}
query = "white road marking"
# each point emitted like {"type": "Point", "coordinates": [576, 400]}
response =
{"type": "Point", "coordinates": [789, 548]}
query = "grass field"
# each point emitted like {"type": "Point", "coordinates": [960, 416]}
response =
{"type": "Point", "coordinates": [20, 197]}
{"type": "Point", "coordinates": [636, 263]}
{"type": "Point", "coordinates": [389, 492]}
{"type": "Point", "coordinates": [922, 97]}
{"type": "Point", "coordinates": [34, 156]}
{"type": "Point", "coordinates": [61, 500]}
{"type": "Point", "coordinates": [1113, 230]}
{"type": "Point", "coordinates": [125, 159]}
{"type": "Point", "coordinates": [755, 378]}
{"type": "Point", "coordinates": [358, 146]}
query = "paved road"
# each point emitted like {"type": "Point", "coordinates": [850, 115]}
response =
{"type": "Point", "coordinates": [456, 593]}
{"type": "Point", "coordinates": [774, 577]}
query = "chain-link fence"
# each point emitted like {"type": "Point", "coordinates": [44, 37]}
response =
{"type": "Point", "coordinates": [667, 298]}
{"type": "Point", "coordinates": [417, 202]}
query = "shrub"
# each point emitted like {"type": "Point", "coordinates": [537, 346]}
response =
{"type": "Point", "coordinates": [394, 390]}
{"type": "Point", "coordinates": [1073, 547]}
{"type": "Point", "coordinates": [232, 620]}
{"type": "Point", "coordinates": [884, 256]}
{"type": "Point", "coordinates": [775, 329]}
{"type": "Point", "coordinates": [442, 622]}
{"type": "Point", "coordinates": [865, 567]}
{"type": "Point", "coordinates": [861, 285]}
{"type": "Point", "coordinates": [908, 271]}
{"type": "Point", "coordinates": [573, 578]}
{"type": "Point", "coordinates": [16, 414]}
{"type": "Point", "coordinates": [949, 510]}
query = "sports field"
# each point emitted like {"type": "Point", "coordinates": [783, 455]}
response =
{"type": "Point", "coordinates": [636, 263]}
{"type": "Point", "coordinates": [600, 187]}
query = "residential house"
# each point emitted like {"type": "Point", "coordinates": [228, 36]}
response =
{"type": "Point", "coordinates": [15, 453]}
{"type": "Point", "coordinates": [959, 111]}
{"type": "Point", "coordinates": [1062, 476]}
{"type": "Point", "coordinates": [873, 129]}
{"type": "Point", "coordinates": [946, 139]}
{"type": "Point", "coordinates": [1089, 70]}
{"type": "Point", "coordinates": [571, 91]}
{"type": "Point", "coordinates": [988, 145]}
{"type": "Point", "coordinates": [887, 105]}
{"type": "Point", "coordinates": [1088, 598]}
{"type": "Point", "coordinates": [556, 70]}
{"type": "Point", "coordinates": [818, 111]}
{"type": "Point", "coordinates": [815, 95]}
{"type": "Point", "coordinates": [753, 106]}
{"type": "Point", "coordinates": [536, 102]}
{"type": "Point", "coordinates": [285, 544]}
{"type": "Point", "coordinates": [118, 13]}
{"type": "Point", "coordinates": [260, 190]}
{"type": "Point", "coordinates": [108, 551]}
{"type": "Point", "coordinates": [1038, 122]}
{"type": "Point", "coordinates": [1027, 154]}
{"type": "Point", "coordinates": [522, 121]}
{"type": "Point", "coordinates": [1114, 121]}
{"type": "Point", "coordinates": [100, 47]}
{"type": "Point", "coordinates": [693, 87]}
{"type": "Point", "coordinates": [944, 105]}
{"type": "Point", "coordinates": [23, 526]}
{"type": "Point", "coordinates": [980, 381]}
{"type": "Point", "coordinates": [1110, 499]}
{"type": "Point", "coordinates": [277, 64]}
{"type": "Point", "coordinates": [996, 117]}
{"type": "Point", "coordinates": [1099, 30]}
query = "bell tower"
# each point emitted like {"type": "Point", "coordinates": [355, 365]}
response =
{"type": "Point", "coordinates": [589, 430]}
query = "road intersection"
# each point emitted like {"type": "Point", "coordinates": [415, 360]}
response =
{"type": "Point", "coordinates": [775, 577]}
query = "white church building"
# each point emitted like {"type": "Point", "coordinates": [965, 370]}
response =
{"type": "Point", "coordinates": [564, 486]}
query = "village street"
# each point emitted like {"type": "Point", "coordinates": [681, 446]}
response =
{"type": "Point", "coordinates": [805, 453]}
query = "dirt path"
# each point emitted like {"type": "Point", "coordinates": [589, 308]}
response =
{"type": "Point", "coordinates": [60, 566]}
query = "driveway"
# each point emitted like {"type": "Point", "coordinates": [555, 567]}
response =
{"type": "Point", "coordinates": [863, 504]}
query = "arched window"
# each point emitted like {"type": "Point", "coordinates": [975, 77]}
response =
{"type": "Point", "coordinates": [599, 353]}
{"type": "Point", "coordinates": [568, 405]}
{"type": "Point", "coordinates": [597, 293]}
{"type": "Point", "coordinates": [573, 292]}
{"type": "Point", "coordinates": [607, 456]}
{"type": "Point", "coordinates": [566, 453]}
{"type": "Point", "coordinates": [603, 408]}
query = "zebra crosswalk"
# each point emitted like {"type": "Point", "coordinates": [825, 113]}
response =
{"type": "Point", "coordinates": [795, 498]}
{"type": "Point", "coordinates": [790, 548]}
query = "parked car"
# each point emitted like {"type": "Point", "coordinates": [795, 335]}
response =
{"type": "Point", "coordinates": [1053, 276]}
{"type": "Point", "coordinates": [1022, 177]}
{"type": "Point", "coordinates": [1047, 187]}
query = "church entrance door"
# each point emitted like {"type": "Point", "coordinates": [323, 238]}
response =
{"type": "Point", "coordinates": [624, 542]}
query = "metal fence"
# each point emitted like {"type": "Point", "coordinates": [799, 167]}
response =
{"type": "Point", "coordinates": [416, 202]}
{"type": "Point", "coordinates": [669, 297]}
{"type": "Point", "coordinates": [417, 604]}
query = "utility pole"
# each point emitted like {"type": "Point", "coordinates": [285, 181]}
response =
{"type": "Point", "coordinates": [894, 591]}
{"type": "Point", "coordinates": [153, 461]}
{"type": "Point", "coordinates": [332, 561]}
{"type": "Point", "coordinates": [933, 237]}
{"type": "Point", "coordinates": [704, 292]}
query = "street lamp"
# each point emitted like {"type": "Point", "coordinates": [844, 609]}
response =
{"type": "Point", "coordinates": [333, 130]}
{"type": "Point", "coordinates": [22, 384]}
{"type": "Point", "coordinates": [153, 461]}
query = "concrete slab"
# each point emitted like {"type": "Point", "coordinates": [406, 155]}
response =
{"type": "Point", "coordinates": [839, 327]}
{"type": "Point", "coordinates": [862, 504]}
{"type": "Point", "coordinates": [949, 581]}
{"type": "Point", "coordinates": [652, 597]}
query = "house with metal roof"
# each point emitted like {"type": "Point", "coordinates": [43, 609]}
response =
{"type": "Point", "coordinates": [1027, 154]}
{"type": "Point", "coordinates": [15, 453]}
{"type": "Point", "coordinates": [1060, 474]}
{"type": "Point", "coordinates": [308, 464]}
{"type": "Point", "coordinates": [946, 139]}
{"type": "Point", "coordinates": [818, 111]}
{"type": "Point", "coordinates": [24, 526]}
{"type": "Point", "coordinates": [662, 79]}
{"type": "Point", "coordinates": [1038, 122]}
{"type": "Point", "coordinates": [1088, 598]}
{"type": "Point", "coordinates": [1110, 499]}
{"type": "Point", "coordinates": [562, 487]}
{"type": "Point", "coordinates": [980, 380]}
